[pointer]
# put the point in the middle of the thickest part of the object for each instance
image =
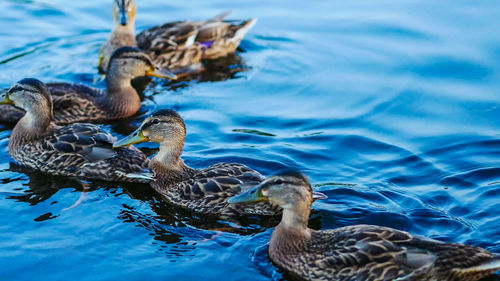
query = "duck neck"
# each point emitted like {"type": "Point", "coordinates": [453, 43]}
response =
{"type": "Point", "coordinates": [169, 164]}
{"type": "Point", "coordinates": [295, 218]}
{"type": "Point", "coordinates": [291, 236]}
{"type": "Point", "coordinates": [34, 125]}
{"type": "Point", "coordinates": [124, 34]}
{"type": "Point", "coordinates": [122, 97]}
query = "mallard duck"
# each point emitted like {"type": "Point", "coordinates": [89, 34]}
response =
{"type": "Point", "coordinates": [80, 103]}
{"type": "Point", "coordinates": [80, 150]}
{"type": "Point", "coordinates": [360, 252]}
{"type": "Point", "coordinates": [205, 190]}
{"type": "Point", "coordinates": [179, 46]}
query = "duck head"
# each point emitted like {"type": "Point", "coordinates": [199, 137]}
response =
{"type": "Point", "coordinates": [289, 189]}
{"type": "Point", "coordinates": [165, 127]}
{"type": "Point", "coordinates": [124, 12]}
{"type": "Point", "coordinates": [34, 97]}
{"type": "Point", "coordinates": [128, 63]}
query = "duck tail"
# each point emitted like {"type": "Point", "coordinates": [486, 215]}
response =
{"type": "Point", "coordinates": [484, 269]}
{"type": "Point", "coordinates": [491, 265]}
{"type": "Point", "coordinates": [220, 16]}
{"type": "Point", "coordinates": [243, 30]}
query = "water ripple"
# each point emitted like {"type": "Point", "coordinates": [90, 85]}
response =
{"type": "Point", "coordinates": [391, 108]}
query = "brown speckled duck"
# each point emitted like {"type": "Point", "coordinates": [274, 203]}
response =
{"type": "Point", "coordinates": [80, 103]}
{"type": "Point", "coordinates": [179, 46]}
{"type": "Point", "coordinates": [205, 190]}
{"type": "Point", "coordinates": [360, 252]}
{"type": "Point", "coordinates": [80, 150]}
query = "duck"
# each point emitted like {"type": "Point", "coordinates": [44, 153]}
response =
{"type": "Point", "coordinates": [74, 102]}
{"type": "Point", "coordinates": [80, 150]}
{"type": "Point", "coordinates": [200, 190]}
{"type": "Point", "coordinates": [358, 252]}
{"type": "Point", "coordinates": [179, 46]}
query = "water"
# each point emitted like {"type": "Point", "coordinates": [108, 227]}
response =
{"type": "Point", "coordinates": [392, 109]}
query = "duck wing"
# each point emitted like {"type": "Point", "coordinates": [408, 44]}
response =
{"type": "Point", "coordinates": [366, 252]}
{"type": "Point", "coordinates": [173, 35]}
{"type": "Point", "coordinates": [207, 190]}
{"type": "Point", "coordinates": [231, 179]}
{"type": "Point", "coordinates": [75, 103]}
{"type": "Point", "coordinates": [82, 139]}
{"type": "Point", "coordinates": [221, 180]}
{"type": "Point", "coordinates": [85, 150]}
{"type": "Point", "coordinates": [179, 45]}
{"type": "Point", "coordinates": [167, 37]}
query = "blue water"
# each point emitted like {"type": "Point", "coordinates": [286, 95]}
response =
{"type": "Point", "coordinates": [391, 108]}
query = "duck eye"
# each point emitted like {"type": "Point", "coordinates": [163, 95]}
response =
{"type": "Point", "coordinates": [278, 181]}
{"type": "Point", "coordinates": [156, 121]}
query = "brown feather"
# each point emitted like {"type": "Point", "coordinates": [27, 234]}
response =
{"type": "Point", "coordinates": [207, 190]}
{"type": "Point", "coordinates": [80, 103]}
{"type": "Point", "coordinates": [361, 252]}
{"type": "Point", "coordinates": [366, 252]}
{"type": "Point", "coordinates": [71, 151]}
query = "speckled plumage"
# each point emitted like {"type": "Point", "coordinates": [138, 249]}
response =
{"type": "Point", "coordinates": [81, 150]}
{"type": "Point", "coordinates": [179, 46]}
{"type": "Point", "coordinates": [204, 190]}
{"type": "Point", "coordinates": [207, 190]}
{"type": "Point", "coordinates": [374, 253]}
{"type": "Point", "coordinates": [171, 46]}
{"type": "Point", "coordinates": [360, 252]}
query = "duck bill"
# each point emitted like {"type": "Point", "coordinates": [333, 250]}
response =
{"type": "Point", "coordinates": [4, 99]}
{"type": "Point", "coordinates": [252, 195]}
{"type": "Point", "coordinates": [135, 137]}
{"type": "Point", "coordinates": [161, 73]}
{"type": "Point", "coordinates": [124, 18]}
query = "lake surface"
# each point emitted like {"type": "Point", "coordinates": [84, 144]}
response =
{"type": "Point", "coordinates": [390, 107]}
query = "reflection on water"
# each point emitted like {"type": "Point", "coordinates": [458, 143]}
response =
{"type": "Point", "coordinates": [390, 107]}
{"type": "Point", "coordinates": [230, 67]}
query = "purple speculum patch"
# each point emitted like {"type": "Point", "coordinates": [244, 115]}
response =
{"type": "Point", "coordinates": [207, 44]}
